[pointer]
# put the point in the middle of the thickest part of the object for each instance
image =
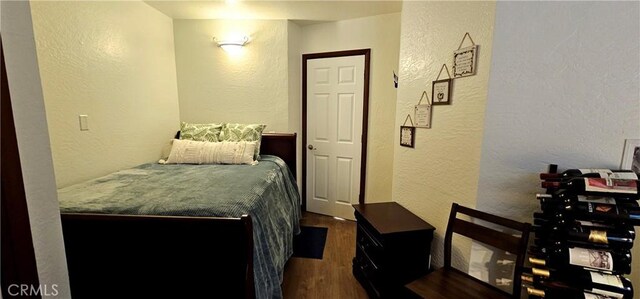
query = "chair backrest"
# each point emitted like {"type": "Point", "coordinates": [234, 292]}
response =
{"type": "Point", "coordinates": [501, 240]}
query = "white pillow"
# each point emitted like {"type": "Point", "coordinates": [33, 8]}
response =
{"type": "Point", "coordinates": [166, 150]}
{"type": "Point", "coordinates": [202, 152]}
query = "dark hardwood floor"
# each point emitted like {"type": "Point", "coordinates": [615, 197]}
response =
{"type": "Point", "coordinates": [330, 277]}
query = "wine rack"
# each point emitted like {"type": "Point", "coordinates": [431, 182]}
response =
{"type": "Point", "coordinates": [584, 233]}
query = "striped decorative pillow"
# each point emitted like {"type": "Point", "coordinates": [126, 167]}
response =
{"type": "Point", "coordinates": [202, 152]}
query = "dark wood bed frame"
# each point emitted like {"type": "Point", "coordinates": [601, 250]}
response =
{"type": "Point", "coordinates": [137, 256]}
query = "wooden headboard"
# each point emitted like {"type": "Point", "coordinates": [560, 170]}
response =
{"type": "Point", "coordinates": [282, 145]}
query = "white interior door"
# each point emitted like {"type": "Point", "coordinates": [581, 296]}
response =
{"type": "Point", "coordinates": [335, 92]}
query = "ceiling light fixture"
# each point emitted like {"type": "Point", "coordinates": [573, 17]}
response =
{"type": "Point", "coordinates": [231, 45]}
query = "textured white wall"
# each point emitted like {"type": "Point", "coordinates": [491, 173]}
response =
{"type": "Point", "coordinates": [250, 87]}
{"type": "Point", "coordinates": [443, 167]}
{"type": "Point", "coordinates": [564, 89]}
{"type": "Point", "coordinates": [33, 145]}
{"type": "Point", "coordinates": [382, 35]}
{"type": "Point", "coordinates": [113, 61]}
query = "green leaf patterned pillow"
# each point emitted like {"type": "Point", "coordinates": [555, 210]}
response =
{"type": "Point", "coordinates": [201, 132]}
{"type": "Point", "coordinates": [243, 132]}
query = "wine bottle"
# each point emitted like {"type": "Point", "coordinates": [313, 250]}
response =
{"type": "Point", "coordinates": [542, 220]}
{"type": "Point", "coordinates": [562, 217]}
{"type": "Point", "coordinates": [595, 210]}
{"type": "Point", "coordinates": [565, 224]}
{"type": "Point", "coordinates": [592, 173]}
{"type": "Point", "coordinates": [564, 194]}
{"type": "Point", "coordinates": [563, 197]}
{"type": "Point", "coordinates": [546, 241]}
{"type": "Point", "coordinates": [571, 207]}
{"type": "Point", "coordinates": [556, 217]}
{"type": "Point", "coordinates": [595, 282]}
{"type": "Point", "coordinates": [563, 286]}
{"type": "Point", "coordinates": [563, 258]}
{"type": "Point", "coordinates": [597, 186]}
{"type": "Point", "coordinates": [614, 238]}
{"type": "Point", "coordinates": [549, 242]}
{"type": "Point", "coordinates": [563, 294]}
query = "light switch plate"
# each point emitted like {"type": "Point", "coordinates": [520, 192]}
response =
{"type": "Point", "coordinates": [84, 122]}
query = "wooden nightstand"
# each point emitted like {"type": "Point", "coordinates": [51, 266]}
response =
{"type": "Point", "coordinates": [393, 247]}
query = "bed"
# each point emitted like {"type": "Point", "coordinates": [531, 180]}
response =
{"type": "Point", "coordinates": [184, 231]}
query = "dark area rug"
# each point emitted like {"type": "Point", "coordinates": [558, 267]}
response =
{"type": "Point", "coordinates": [310, 242]}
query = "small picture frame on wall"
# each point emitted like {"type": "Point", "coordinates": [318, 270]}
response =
{"type": "Point", "coordinates": [407, 136]}
{"type": "Point", "coordinates": [423, 116]}
{"type": "Point", "coordinates": [631, 155]}
{"type": "Point", "coordinates": [441, 92]}
{"type": "Point", "coordinates": [464, 61]}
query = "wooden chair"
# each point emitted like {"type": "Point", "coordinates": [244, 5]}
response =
{"type": "Point", "coordinates": [448, 282]}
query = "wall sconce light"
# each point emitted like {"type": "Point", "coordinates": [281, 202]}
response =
{"type": "Point", "coordinates": [232, 45]}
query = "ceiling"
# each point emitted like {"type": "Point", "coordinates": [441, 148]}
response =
{"type": "Point", "coordinates": [301, 11]}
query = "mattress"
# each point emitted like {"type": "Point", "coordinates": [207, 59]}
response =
{"type": "Point", "coordinates": [266, 191]}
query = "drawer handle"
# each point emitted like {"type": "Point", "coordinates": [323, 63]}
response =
{"type": "Point", "coordinates": [367, 259]}
{"type": "Point", "coordinates": [368, 235]}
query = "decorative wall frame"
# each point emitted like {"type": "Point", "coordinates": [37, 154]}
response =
{"type": "Point", "coordinates": [422, 112]}
{"type": "Point", "coordinates": [441, 92]}
{"type": "Point", "coordinates": [407, 133]}
{"type": "Point", "coordinates": [441, 89]}
{"type": "Point", "coordinates": [631, 155]}
{"type": "Point", "coordinates": [464, 59]}
{"type": "Point", "coordinates": [407, 136]}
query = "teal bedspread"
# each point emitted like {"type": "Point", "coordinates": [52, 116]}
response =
{"type": "Point", "coordinates": [266, 191]}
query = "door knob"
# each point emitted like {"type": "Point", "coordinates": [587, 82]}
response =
{"type": "Point", "coordinates": [310, 146]}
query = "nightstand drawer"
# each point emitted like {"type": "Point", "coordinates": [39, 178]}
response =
{"type": "Point", "coordinates": [366, 265]}
{"type": "Point", "coordinates": [369, 244]}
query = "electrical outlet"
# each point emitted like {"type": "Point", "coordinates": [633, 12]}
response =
{"type": "Point", "coordinates": [84, 122]}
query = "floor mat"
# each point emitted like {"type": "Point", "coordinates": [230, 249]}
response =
{"type": "Point", "coordinates": [310, 242]}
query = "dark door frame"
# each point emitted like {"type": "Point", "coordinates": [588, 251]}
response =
{"type": "Point", "coordinates": [365, 116]}
{"type": "Point", "coordinates": [18, 256]}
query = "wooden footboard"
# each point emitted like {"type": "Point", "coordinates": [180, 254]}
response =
{"type": "Point", "coordinates": [117, 256]}
{"type": "Point", "coordinates": [136, 256]}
